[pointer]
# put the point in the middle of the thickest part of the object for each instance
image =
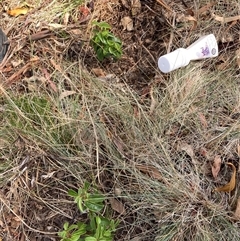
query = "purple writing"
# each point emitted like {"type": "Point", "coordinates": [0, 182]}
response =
{"type": "Point", "coordinates": [205, 51]}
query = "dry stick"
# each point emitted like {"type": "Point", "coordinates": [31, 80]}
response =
{"type": "Point", "coordinates": [11, 79]}
{"type": "Point", "coordinates": [40, 35]}
{"type": "Point", "coordinates": [161, 2]}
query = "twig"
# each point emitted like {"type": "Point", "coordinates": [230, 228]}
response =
{"type": "Point", "coordinates": [161, 2]}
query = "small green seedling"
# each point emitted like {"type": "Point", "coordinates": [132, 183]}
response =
{"type": "Point", "coordinates": [98, 227]}
{"type": "Point", "coordinates": [105, 44]}
{"type": "Point", "coordinates": [86, 201]}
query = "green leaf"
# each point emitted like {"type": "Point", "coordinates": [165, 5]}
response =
{"type": "Point", "coordinates": [111, 50]}
{"type": "Point", "coordinates": [65, 226]}
{"type": "Point", "coordinates": [80, 205]}
{"type": "Point", "coordinates": [108, 233]}
{"type": "Point", "coordinates": [100, 57]}
{"type": "Point", "coordinates": [99, 38]}
{"type": "Point", "coordinates": [71, 227]}
{"type": "Point", "coordinates": [105, 34]}
{"type": "Point", "coordinates": [98, 220]}
{"type": "Point", "coordinates": [92, 224]}
{"type": "Point", "coordinates": [96, 198]}
{"type": "Point", "coordinates": [101, 25]}
{"type": "Point", "coordinates": [117, 47]}
{"type": "Point", "coordinates": [117, 40]}
{"type": "Point", "coordinates": [110, 42]}
{"type": "Point", "coordinates": [90, 239]}
{"type": "Point", "coordinates": [94, 207]}
{"type": "Point", "coordinates": [62, 234]}
{"type": "Point", "coordinates": [86, 185]}
{"type": "Point", "coordinates": [72, 193]}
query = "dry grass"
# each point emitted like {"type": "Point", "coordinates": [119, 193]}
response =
{"type": "Point", "coordinates": [103, 131]}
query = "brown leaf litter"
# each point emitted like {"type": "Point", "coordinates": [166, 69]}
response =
{"type": "Point", "coordinates": [231, 184]}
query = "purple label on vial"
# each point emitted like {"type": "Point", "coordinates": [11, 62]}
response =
{"type": "Point", "coordinates": [205, 51]}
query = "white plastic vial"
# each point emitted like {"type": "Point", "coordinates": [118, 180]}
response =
{"type": "Point", "coordinates": [204, 47]}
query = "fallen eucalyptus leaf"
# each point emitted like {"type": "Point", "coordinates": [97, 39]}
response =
{"type": "Point", "coordinates": [117, 206]}
{"type": "Point", "coordinates": [231, 185]}
{"type": "Point", "coordinates": [18, 11]}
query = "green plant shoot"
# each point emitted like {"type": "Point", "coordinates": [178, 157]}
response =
{"type": "Point", "coordinates": [98, 228]}
{"type": "Point", "coordinates": [105, 44]}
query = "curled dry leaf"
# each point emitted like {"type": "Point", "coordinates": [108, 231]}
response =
{"type": "Point", "coordinates": [151, 171]}
{"type": "Point", "coordinates": [237, 211]}
{"type": "Point", "coordinates": [136, 7]}
{"type": "Point", "coordinates": [17, 11]}
{"type": "Point", "coordinates": [84, 11]}
{"type": "Point", "coordinates": [117, 206]}
{"type": "Point", "coordinates": [231, 185]}
{"type": "Point", "coordinates": [127, 23]}
{"type": "Point", "coordinates": [216, 166]}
